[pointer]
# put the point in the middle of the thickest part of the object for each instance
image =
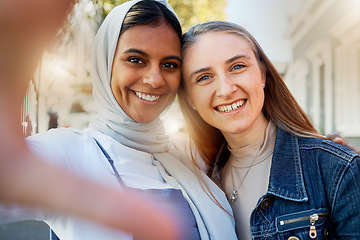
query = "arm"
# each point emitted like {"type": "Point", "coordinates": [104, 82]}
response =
{"type": "Point", "coordinates": [26, 28]}
{"type": "Point", "coordinates": [345, 202]}
{"type": "Point", "coordinates": [24, 179]}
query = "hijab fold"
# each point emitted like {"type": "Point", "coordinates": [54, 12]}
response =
{"type": "Point", "coordinates": [110, 118]}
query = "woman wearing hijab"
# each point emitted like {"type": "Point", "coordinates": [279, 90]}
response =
{"type": "Point", "coordinates": [136, 72]}
{"type": "Point", "coordinates": [26, 30]}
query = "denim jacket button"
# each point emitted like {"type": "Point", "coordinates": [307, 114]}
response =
{"type": "Point", "coordinates": [293, 238]}
{"type": "Point", "coordinates": [265, 203]}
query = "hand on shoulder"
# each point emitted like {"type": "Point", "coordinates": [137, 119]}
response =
{"type": "Point", "coordinates": [340, 140]}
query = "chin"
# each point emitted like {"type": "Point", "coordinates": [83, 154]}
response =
{"type": "Point", "coordinates": [236, 130]}
{"type": "Point", "coordinates": [145, 115]}
{"type": "Point", "coordinates": [145, 119]}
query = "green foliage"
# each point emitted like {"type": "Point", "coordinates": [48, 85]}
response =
{"type": "Point", "coordinates": [190, 12]}
{"type": "Point", "coordinates": [110, 4]}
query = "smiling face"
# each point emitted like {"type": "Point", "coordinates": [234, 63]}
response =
{"type": "Point", "coordinates": [146, 70]}
{"type": "Point", "coordinates": [224, 82]}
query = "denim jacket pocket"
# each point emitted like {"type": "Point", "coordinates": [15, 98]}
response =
{"type": "Point", "coordinates": [309, 224]}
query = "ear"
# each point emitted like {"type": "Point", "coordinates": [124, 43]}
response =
{"type": "Point", "coordinates": [263, 79]}
{"type": "Point", "coordinates": [182, 92]}
{"type": "Point", "coordinates": [188, 99]}
{"type": "Point", "coordinates": [263, 75]}
{"type": "Point", "coordinates": [263, 82]}
{"type": "Point", "coordinates": [189, 102]}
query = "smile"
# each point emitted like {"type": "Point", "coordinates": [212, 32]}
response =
{"type": "Point", "coordinates": [147, 97]}
{"type": "Point", "coordinates": [231, 107]}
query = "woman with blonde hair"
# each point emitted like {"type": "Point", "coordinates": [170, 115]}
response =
{"type": "Point", "coordinates": [282, 178]}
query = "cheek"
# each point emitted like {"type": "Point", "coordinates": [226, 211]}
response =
{"type": "Point", "coordinates": [260, 97]}
{"type": "Point", "coordinates": [173, 82]}
{"type": "Point", "coordinates": [176, 82]}
{"type": "Point", "coordinates": [122, 79]}
{"type": "Point", "coordinates": [114, 84]}
{"type": "Point", "coordinates": [117, 87]}
{"type": "Point", "coordinates": [199, 97]}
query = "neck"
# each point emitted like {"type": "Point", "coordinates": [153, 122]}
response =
{"type": "Point", "coordinates": [253, 134]}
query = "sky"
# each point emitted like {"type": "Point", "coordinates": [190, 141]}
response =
{"type": "Point", "coordinates": [267, 21]}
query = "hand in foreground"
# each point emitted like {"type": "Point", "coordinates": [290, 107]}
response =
{"type": "Point", "coordinates": [26, 28]}
{"type": "Point", "coordinates": [24, 179]}
{"type": "Point", "coordinates": [340, 140]}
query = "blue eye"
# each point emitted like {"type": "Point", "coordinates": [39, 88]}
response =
{"type": "Point", "coordinates": [238, 67]}
{"type": "Point", "coordinates": [203, 78]}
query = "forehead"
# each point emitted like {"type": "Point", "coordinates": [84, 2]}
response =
{"type": "Point", "coordinates": [217, 47]}
{"type": "Point", "coordinates": [221, 39]}
{"type": "Point", "coordinates": [160, 35]}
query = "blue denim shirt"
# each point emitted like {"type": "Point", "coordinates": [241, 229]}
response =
{"type": "Point", "coordinates": [313, 192]}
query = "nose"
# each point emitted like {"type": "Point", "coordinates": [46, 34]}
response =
{"type": "Point", "coordinates": [154, 78]}
{"type": "Point", "coordinates": [225, 87]}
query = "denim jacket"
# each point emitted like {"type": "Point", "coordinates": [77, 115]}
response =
{"type": "Point", "coordinates": [313, 192]}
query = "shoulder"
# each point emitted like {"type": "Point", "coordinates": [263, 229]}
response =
{"type": "Point", "coordinates": [186, 152]}
{"type": "Point", "coordinates": [288, 144]}
{"type": "Point", "coordinates": [179, 146]}
{"type": "Point", "coordinates": [332, 167]}
{"type": "Point", "coordinates": [58, 137]}
{"type": "Point", "coordinates": [327, 149]}
{"type": "Point", "coordinates": [62, 144]}
{"type": "Point", "coordinates": [57, 133]}
{"type": "Point", "coordinates": [331, 160]}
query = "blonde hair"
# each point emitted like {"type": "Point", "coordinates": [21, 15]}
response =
{"type": "Point", "coordinates": [279, 106]}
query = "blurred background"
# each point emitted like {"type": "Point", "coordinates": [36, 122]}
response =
{"type": "Point", "coordinates": [314, 44]}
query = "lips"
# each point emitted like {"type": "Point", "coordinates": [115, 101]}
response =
{"type": "Point", "coordinates": [147, 97]}
{"type": "Point", "coordinates": [230, 107]}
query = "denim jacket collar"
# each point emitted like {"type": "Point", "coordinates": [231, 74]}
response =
{"type": "Point", "coordinates": [286, 176]}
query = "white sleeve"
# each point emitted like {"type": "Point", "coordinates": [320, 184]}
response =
{"type": "Point", "coordinates": [50, 147]}
{"type": "Point", "coordinates": [13, 213]}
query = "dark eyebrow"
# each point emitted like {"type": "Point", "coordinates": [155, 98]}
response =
{"type": "Point", "coordinates": [199, 71]}
{"type": "Point", "coordinates": [237, 57]}
{"type": "Point", "coordinates": [134, 50]}
{"type": "Point", "coordinates": [173, 57]}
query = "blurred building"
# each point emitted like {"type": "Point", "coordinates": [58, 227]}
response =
{"type": "Point", "coordinates": [325, 72]}
{"type": "Point", "coordinates": [29, 110]}
{"type": "Point", "coordinates": [60, 92]}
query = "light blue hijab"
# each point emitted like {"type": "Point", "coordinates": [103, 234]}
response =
{"type": "Point", "coordinates": [110, 118]}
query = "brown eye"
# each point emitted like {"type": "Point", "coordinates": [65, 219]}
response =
{"type": "Point", "coordinates": [170, 65]}
{"type": "Point", "coordinates": [135, 60]}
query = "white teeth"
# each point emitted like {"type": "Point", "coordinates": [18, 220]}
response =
{"type": "Point", "coordinates": [150, 98]}
{"type": "Point", "coordinates": [232, 107]}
